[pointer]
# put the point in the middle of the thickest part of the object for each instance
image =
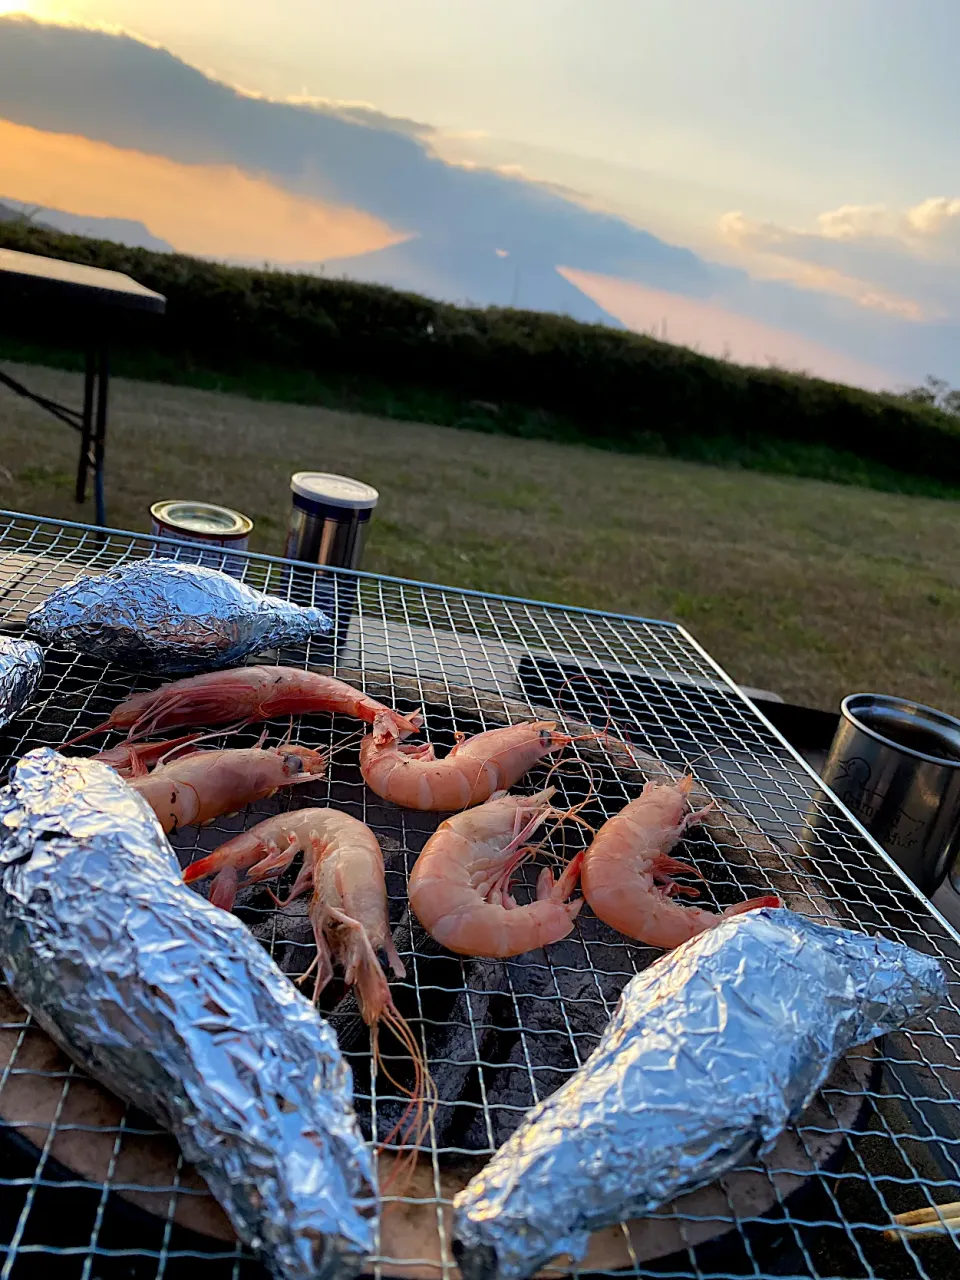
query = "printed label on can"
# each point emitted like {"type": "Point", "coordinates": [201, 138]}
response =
{"type": "Point", "coordinates": [205, 549]}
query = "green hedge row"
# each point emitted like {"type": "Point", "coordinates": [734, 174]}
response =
{"type": "Point", "coordinates": [615, 386]}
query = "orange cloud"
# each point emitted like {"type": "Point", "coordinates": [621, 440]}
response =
{"type": "Point", "coordinates": [691, 322]}
{"type": "Point", "coordinates": [215, 211]}
{"type": "Point", "coordinates": [780, 256]}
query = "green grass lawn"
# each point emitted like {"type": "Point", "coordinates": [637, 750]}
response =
{"type": "Point", "coordinates": [808, 588]}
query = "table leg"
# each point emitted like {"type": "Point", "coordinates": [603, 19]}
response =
{"type": "Point", "coordinates": [86, 427]}
{"type": "Point", "coordinates": [100, 433]}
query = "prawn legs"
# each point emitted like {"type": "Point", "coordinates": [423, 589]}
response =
{"type": "Point", "coordinates": [343, 871]}
{"type": "Point", "coordinates": [460, 884]}
{"type": "Point", "coordinates": [627, 872]}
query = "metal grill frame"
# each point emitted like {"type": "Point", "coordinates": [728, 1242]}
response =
{"type": "Point", "coordinates": [469, 649]}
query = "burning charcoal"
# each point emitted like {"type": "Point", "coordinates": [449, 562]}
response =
{"type": "Point", "coordinates": [552, 1013]}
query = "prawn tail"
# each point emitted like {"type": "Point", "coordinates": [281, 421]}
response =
{"type": "Point", "coordinates": [223, 890]}
{"type": "Point", "coordinates": [414, 720]}
{"type": "Point", "coordinates": [389, 726]}
{"type": "Point", "coordinates": [226, 880]}
{"type": "Point", "coordinates": [569, 877]}
{"type": "Point", "coordinates": [754, 904]}
{"type": "Point", "coordinates": [201, 869]}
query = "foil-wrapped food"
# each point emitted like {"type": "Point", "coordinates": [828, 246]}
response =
{"type": "Point", "coordinates": [712, 1051]}
{"type": "Point", "coordinates": [170, 618]}
{"type": "Point", "coordinates": [172, 1004]}
{"type": "Point", "coordinates": [21, 669]}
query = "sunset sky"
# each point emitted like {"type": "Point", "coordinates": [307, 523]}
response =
{"type": "Point", "coordinates": [814, 146]}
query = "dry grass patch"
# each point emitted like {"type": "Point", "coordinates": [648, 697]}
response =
{"type": "Point", "coordinates": [808, 588]}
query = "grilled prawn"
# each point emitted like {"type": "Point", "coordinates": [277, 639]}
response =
{"type": "Point", "coordinates": [627, 872]}
{"type": "Point", "coordinates": [411, 776]}
{"type": "Point", "coordinates": [207, 784]}
{"type": "Point", "coordinates": [343, 868]}
{"type": "Point", "coordinates": [249, 694]}
{"type": "Point", "coordinates": [460, 884]}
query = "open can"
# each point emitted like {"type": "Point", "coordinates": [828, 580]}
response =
{"type": "Point", "coordinates": [211, 533]}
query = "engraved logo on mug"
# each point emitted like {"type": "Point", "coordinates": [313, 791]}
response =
{"type": "Point", "coordinates": [853, 774]}
{"type": "Point", "coordinates": [904, 831]}
{"type": "Point", "coordinates": [851, 787]}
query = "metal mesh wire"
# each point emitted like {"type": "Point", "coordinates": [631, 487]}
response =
{"type": "Point", "coordinates": [89, 1188]}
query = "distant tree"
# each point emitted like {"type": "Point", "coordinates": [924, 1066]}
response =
{"type": "Point", "coordinates": [937, 393]}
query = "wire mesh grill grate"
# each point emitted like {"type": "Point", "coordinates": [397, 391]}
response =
{"type": "Point", "coordinates": [91, 1189]}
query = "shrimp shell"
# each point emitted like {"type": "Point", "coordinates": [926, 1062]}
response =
{"type": "Point", "coordinates": [627, 873]}
{"type": "Point", "coordinates": [460, 884]}
{"type": "Point", "coordinates": [207, 784]}
{"type": "Point", "coordinates": [411, 776]}
{"type": "Point", "coordinates": [248, 694]}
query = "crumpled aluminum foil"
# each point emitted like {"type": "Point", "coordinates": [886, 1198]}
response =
{"type": "Point", "coordinates": [712, 1051]}
{"type": "Point", "coordinates": [172, 1004]}
{"type": "Point", "coordinates": [21, 669]}
{"type": "Point", "coordinates": [171, 618]}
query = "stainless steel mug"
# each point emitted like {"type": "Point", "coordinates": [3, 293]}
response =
{"type": "Point", "coordinates": [329, 519]}
{"type": "Point", "coordinates": [328, 527]}
{"type": "Point", "coordinates": [896, 766]}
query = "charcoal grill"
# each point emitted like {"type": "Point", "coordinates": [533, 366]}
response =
{"type": "Point", "coordinates": [89, 1188]}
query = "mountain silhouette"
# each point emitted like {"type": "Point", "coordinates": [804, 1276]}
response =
{"type": "Point", "coordinates": [121, 230]}
{"type": "Point", "coordinates": [10, 213]}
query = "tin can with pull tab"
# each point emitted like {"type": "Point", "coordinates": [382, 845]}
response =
{"type": "Point", "coordinates": [212, 532]}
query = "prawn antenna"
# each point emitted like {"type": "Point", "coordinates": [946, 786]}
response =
{"type": "Point", "coordinates": [572, 812]}
{"type": "Point", "coordinates": [423, 1099]}
{"type": "Point", "coordinates": [592, 735]}
{"type": "Point", "coordinates": [568, 684]}
{"type": "Point", "coordinates": [90, 733]}
{"type": "Point", "coordinates": [185, 745]}
{"type": "Point", "coordinates": [696, 759]}
{"type": "Point", "coordinates": [347, 741]}
{"type": "Point", "coordinates": [227, 732]}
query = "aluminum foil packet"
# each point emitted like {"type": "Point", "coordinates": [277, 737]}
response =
{"type": "Point", "coordinates": [173, 1005]}
{"type": "Point", "coordinates": [171, 618]}
{"type": "Point", "coordinates": [21, 669]}
{"type": "Point", "coordinates": [712, 1051]}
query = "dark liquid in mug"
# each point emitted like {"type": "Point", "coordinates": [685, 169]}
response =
{"type": "Point", "coordinates": [913, 737]}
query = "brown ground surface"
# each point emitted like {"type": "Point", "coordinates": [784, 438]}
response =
{"type": "Point", "coordinates": [810, 589]}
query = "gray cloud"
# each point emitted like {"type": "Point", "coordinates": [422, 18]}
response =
{"type": "Point", "coordinates": [117, 90]}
